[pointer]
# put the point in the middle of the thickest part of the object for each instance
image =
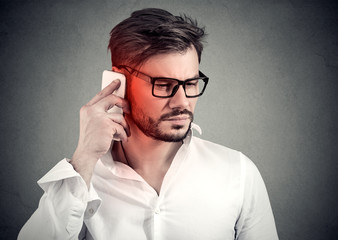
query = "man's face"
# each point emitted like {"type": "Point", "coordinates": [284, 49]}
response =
{"type": "Point", "coordinates": [165, 119]}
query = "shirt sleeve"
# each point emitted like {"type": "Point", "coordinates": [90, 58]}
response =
{"type": "Point", "coordinates": [256, 219]}
{"type": "Point", "coordinates": [65, 203]}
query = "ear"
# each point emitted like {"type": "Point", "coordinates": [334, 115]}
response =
{"type": "Point", "coordinates": [115, 69]}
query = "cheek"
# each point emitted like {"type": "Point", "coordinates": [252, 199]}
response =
{"type": "Point", "coordinates": [135, 92]}
{"type": "Point", "coordinates": [193, 104]}
{"type": "Point", "coordinates": [141, 99]}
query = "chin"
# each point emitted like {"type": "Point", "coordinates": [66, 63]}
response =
{"type": "Point", "coordinates": [176, 134]}
{"type": "Point", "coordinates": [162, 130]}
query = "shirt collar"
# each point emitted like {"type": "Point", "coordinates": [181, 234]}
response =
{"type": "Point", "coordinates": [108, 161]}
{"type": "Point", "coordinates": [196, 127]}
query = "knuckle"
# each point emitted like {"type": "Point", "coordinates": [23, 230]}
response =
{"type": "Point", "coordinates": [118, 118]}
{"type": "Point", "coordinates": [115, 129]}
{"type": "Point", "coordinates": [100, 93]}
{"type": "Point", "coordinates": [83, 110]}
{"type": "Point", "coordinates": [113, 97]}
{"type": "Point", "coordinates": [107, 123]}
{"type": "Point", "coordinates": [86, 110]}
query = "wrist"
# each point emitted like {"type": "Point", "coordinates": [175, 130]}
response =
{"type": "Point", "coordinates": [84, 164]}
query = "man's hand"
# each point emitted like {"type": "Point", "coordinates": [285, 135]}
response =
{"type": "Point", "coordinates": [98, 128]}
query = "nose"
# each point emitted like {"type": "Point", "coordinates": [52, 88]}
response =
{"type": "Point", "coordinates": [179, 100]}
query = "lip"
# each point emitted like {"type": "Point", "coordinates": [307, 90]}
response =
{"type": "Point", "coordinates": [179, 120]}
{"type": "Point", "coordinates": [180, 117]}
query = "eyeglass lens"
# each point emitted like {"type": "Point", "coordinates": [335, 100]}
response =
{"type": "Point", "coordinates": [166, 87]}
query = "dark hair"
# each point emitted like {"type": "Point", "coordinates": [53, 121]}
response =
{"type": "Point", "coordinates": [153, 31]}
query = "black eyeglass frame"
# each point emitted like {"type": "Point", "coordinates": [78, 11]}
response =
{"type": "Point", "coordinates": [202, 77]}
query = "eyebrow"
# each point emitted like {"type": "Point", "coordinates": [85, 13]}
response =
{"type": "Point", "coordinates": [196, 76]}
{"type": "Point", "coordinates": [146, 75]}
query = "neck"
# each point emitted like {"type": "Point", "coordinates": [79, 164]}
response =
{"type": "Point", "coordinates": [145, 154]}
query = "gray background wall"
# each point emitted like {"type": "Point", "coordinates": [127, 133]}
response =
{"type": "Point", "coordinates": [273, 67]}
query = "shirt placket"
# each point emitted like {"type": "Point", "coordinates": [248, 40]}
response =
{"type": "Point", "coordinates": [157, 216]}
{"type": "Point", "coordinates": [158, 208]}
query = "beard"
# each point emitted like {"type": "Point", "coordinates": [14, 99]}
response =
{"type": "Point", "coordinates": [152, 127]}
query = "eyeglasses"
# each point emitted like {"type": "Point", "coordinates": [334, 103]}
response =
{"type": "Point", "coordinates": [163, 87]}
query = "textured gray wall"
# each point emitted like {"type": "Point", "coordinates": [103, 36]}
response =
{"type": "Point", "coordinates": [273, 67]}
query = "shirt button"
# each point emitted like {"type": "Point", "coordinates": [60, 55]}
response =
{"type": "Point", "coordinates": [91, 211]}
{"type": "Point", "coordinates": [157, 211]}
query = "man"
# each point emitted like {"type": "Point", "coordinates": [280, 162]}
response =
{"type": "Point", "coordinates": [159, 181]}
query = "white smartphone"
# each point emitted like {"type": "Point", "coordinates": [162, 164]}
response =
{"type": "Point", "coordinates": [107, 78]}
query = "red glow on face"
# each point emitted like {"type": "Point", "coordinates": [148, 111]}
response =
{"type": "Point", "coordinates": [166, 119]}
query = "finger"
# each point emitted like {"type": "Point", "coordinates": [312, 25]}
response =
{"type": "Point", "coordinates": [118, 118]}
{"type": "Point", "coordinates": [105, 92]}
{"type": "Point", "coordinates": [112, 100]}
{"type": "Point", "coordinates": [124, 104]}
{"type": "Point", "coordinates": [119, 132]}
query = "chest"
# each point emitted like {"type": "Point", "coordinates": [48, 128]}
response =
{"type": "Point", "coordinates": [154, 179]}
{"type": "Point", "coordinates": [187, 208]}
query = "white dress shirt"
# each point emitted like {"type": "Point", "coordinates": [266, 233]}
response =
{"type": "Point", "coordinates": [209, 192]}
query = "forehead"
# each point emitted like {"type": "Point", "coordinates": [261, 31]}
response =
{"type": "Point", "coordinates": [180, 65]}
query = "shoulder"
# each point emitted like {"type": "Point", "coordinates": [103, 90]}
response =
{"type": "Point", "coordinates": [211, 151]}
{"type": "Point", "coordinates": [205, 145]}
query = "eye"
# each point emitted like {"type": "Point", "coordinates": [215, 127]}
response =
{"type": "Point", "coordinates": [191, 83]}
{"type": "Point", "coordinates": [162, 84]}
